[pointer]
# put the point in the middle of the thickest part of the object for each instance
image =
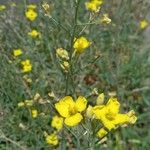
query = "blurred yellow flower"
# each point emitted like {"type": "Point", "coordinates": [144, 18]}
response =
{"type": "Point", "coordinates": [105, 19]}
{"type": "Point", "coordinates": [101, 133]}
{"type": "Point", "coordinates": [34, 113]}
{"type": "Point", "coordinates": [93, 5]}
{"type": "Point", "coordinates": [81, 44]}
{"type": "Point", "coordinates": [27, 67]}
{"type": "Point", "coordinates": [52, 139]}
{"type": "Point", "coordinates": [71, 110]}
{"type": "Point", "coordinates": [57, 122]}
{"type": "Point", "coordinates": [89, 112]}
{"type": "Point", "coordinates": [143, 24]}
{"type": "Point", "coordinates": [65, 66]}
{"type": "Point", "coordinates": [32, 6]}
{"type": "Point", "coordinates": [110, 117]}
{"type": "Point", "coordinates": [21, 104]}
{"type": "Point", "coordinates": [100, 99]}
{"type": "Point", "coordinates": [17, 52]}
{"type": "Point", "coordinates": [51, 94]}
{"type": "Point", "coordinates": [31, 14]}
{"type": "Point", "coordinates": [28, 102]}
{"type": "Point", "coordinates": [2, 7]}
{"type": "Point", "coordinates": [34, 33]}
{"type": "Point", "coordinates": [62, 53]}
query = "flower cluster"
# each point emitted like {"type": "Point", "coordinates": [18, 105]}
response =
{"type": "Point", "coordinates": [72, 113]}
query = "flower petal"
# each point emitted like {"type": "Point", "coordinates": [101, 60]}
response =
{"type": "Point", "coordinates": [64, 105]}
{"type": "Point", "coordinates": [73, 120]}
{"type": "Point", "coordinates": [81, 103]}
{"type": "Point", "coordinates": [101, 133]}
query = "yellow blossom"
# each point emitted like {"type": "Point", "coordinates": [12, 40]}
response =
{"type": "Point", "coordinates": [34, 33]}
{"type": "Point", "coordinates": [93, 5]}
{"type": "Point", "coordinates": [31, 14]}
{"type": "Point", "coordinates": [100, 99]}
{"type": "Point", "coordinates": [89, 112]}
{"type": "Point", "coordinates": [101, 133]}
{"type": "Point", "coordinates": [21, 104]}
{"type": "Point", "coordinates": [143, 24]}
{"type": "Point", "coordinates": [110, 117]}
{"type": "Point", "coordinates": [2, 7]}
{"type": "Point", "coordinates": [17, 52]}
{"type": "Point", "coordinates": [32, 6]}
{"type": "Point", "coordinates": [105, 19]}
{"type": "Point", "coordinates": [71, 110]}
{"type": "Point", "coordinates": [81, 44]}
{"type": "Point", "coordinates": [27, 67]}
{"type": "Point", "coordinates": [52, 139]}
{"type": "Point", "coordinates": [57, 122]}
{"type": "Point", "coordinates": [62, 53]}
{"type": "Point", "coordinates": [28, 102]}
{"type": "Point", "coordinates": [34, 113]}
{"type": "Point", "coordinates": [47, 8]}
{"type": "Point", "coordinates": [65, 66]}
{"type": "Point", "coordinates": [51, 94]}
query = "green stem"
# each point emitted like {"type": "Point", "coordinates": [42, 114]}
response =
{"type": "Point", "coordinates": [70, 75]}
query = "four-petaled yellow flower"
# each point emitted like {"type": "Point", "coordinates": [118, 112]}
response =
{"type": "Point", "coordinates": [105, 19]}
{"type": "Point", "coordinates": [81, 44]}
{"type": "Point", "coordinates": [143, 24]}
{"type": "Point", "coordinates": [71, 110]}
{"type": "Point", "coordinates": [52, 139]}
{"type": "Point", "coordinates": [34, 33]}
{"type": "Point", "coordinates": [93, 5]}
{"type": "Point", "coordinates": [34, 113]}
{"type": "Point", "coordinates": [57, 122]}
{"type": "Point", "coordinates": [2, 7]}
{"type": "Point", "coordinates": [110, 117]}
{"type": "Point", "coordinates": [31, 14]}
{"type": "Point", "coordinates": [17, 52]}
{"type": "Point", "coordinates": [27, 67]}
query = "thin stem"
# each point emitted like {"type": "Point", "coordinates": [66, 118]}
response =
{"type": "Point", "coordinates": [70, 74]}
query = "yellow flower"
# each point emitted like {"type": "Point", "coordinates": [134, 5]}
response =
{"type": "Point", "coordinates": [17, 52]}
{"type": "Point", "coordinates": [52, 139]}
{"type": "Point", "coordinates": [31, 14]}
{"type": "Point", "coordinates": [71, 110]}
{"type": "Point", "coordinates": [110, 117]}
{"type": "Point", "coordinates": [34, 33]}
{"type": "Point", "coordinates": [81, 44]}
{"type": "Point", "coordinates": [21, 104]}
{"type": "Point", "coordinates": [34, 113]}
{"type": "Point", "coordinates": [51, 94]}
{"type": "Point", "coordinates": [89, 112]}
{"type": "Point", "coordinates": [65, 66]}
{"type": "Point", "coordinates": [2, 7]}
{"type": "Point", "coordinates": [143, 24]}
{"type": "Point", "coordinates": [27, 67]}
{"type": "Point", "coordinates": [105, 19]}
{"type": "Point", "coordinates": [93, 5]}
{"type": "Point", "coordinates": [101, 133]}
{"type": "Point", "coordinates": [57, 122]}
{"type": "Point", "coordinates": [62, 53]}
{"type": "Point", "coordinates": [28, 102]}
{"type": "Point", "coordinates": [32, 6]}
{"type": "Point", "coordinates": [100, 99]}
